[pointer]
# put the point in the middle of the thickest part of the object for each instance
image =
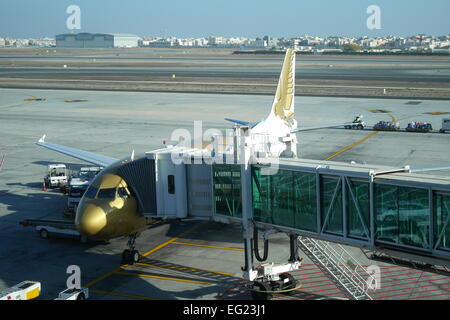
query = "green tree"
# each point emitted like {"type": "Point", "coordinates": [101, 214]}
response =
{"type": "Point", "coordinates": [352, 47]}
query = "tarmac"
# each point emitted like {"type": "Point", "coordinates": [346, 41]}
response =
{"type": "Point", "coordinates": [221, 71]}
{"type": "Point", "coordinates": [189, 259]}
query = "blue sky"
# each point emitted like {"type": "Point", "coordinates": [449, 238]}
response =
{"type": "Point", "coordinates": [249, 18]}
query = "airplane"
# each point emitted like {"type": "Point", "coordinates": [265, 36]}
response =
{"type": "Point", "coordinates": [110, 206]}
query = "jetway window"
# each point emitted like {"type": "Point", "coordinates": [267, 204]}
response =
{"type": "Point", "coordinates": [402, 215]}
{"type": "Point", "coordinates": [442, 220]}
{"type": "Point", "coordinates": [358, 209]}
{"type": "Point", "coordinates": [331, 193]}
{"type": "Point", "coordinates": [227, 190]}
{"type": "Point", "coordinates": [282, 194]}
{"type": "Point", "coordinates": [287, 198]}
{"type": "Point", "coordinates": [305, 203]}
{"type": "Point", "coordinates": [386, 208]}
{"type": "Point", "coordinates": [261, 199]}
{"type": "Point", "coordinates": [171, 184]}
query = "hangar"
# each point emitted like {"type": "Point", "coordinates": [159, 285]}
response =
{"type": "Point", "coordinates": [96, 40]}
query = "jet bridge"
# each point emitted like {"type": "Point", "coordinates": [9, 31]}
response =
{"type": "Point", "coordinates": [370, 207]}
{"type": "Point", "coordinates": [396, 212]}
{"type": "Point", "coordinates": [382, 209]}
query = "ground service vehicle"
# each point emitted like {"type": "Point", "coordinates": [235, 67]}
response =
{"type": "Point", "coordinates": [78, 185]}
{"type": "Point", "coordinates": [74, 294]}
{"type": "Point", "coordinates": [445, 125]}
{"type": "Point", "coordinates": [61, 228]}
{"type": "Point", "coordinates": [358, 123]}
{"type": "Point", "coordinates": [26, 290]}
{"type": "Point", "coordinates": [387, 126]}
{"type": "Point", "coordinates": [419, 127]}
{"type": "Point", "coordinates": [56, 176]}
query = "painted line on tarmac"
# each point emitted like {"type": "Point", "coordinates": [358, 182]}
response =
{"type": "Point", "coordinates": [161, 277]}
{"type": "Point", "coordinates": [108, 274]}
{"type": "Point", "coordinates": [183, 268]}
{"type": "Point", "coordinates": [351, 146]}
{"type": "Point", "coordinates": [174, 239]}
{"type": "Point", "coordinates": [102, 277]}
{"type": "Point", "coordinates": [206, 246]}
{"type": "Point", "coordinates": [118, 294]}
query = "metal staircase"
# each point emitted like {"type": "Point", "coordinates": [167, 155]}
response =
{"type": "Point", "coordinates": [340, 265]}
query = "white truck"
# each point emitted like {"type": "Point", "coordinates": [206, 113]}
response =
{"type": "Point", "coordinates": [445, 125]}
{"type": "Point", "coordinates": [56, 176]}
{"type": "Point", "coordinates": [78, 184]}
{"type": "Point", "coordinates": [26, 290]}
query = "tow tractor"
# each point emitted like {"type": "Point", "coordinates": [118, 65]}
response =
{"type": "Point", "coordinates": [26, 290]}
{"type": "Point", "coordinates": [62, 228]}
{"type": "Point", "coordinates": [78, 184]}
{"type": "Point", "coordinates": [56, 176]}
{"type": "Point", "coordinates": [358, 123]}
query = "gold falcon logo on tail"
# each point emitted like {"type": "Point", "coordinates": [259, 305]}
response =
{"type": "Point", "coordinates": [283, 104]}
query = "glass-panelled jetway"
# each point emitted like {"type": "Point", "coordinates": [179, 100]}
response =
{"type": "Point", "coordinates": [360, 205]}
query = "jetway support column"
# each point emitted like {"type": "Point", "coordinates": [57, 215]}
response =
{"type": "Point", "coordinates": [243, 158]}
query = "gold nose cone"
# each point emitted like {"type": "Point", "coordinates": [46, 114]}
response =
{"type": "Point", "coordinates": [91, 220]}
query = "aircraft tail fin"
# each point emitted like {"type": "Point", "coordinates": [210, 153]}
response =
{"type": "Point", "coordinates": [283, 103]}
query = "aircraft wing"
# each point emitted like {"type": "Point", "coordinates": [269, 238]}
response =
{"type": "Point", "coordinates": [242, 123]}
{"type": "Point", "coordinates": [79, 154]}
{"type": "Point", "coordinates": [321, 127]}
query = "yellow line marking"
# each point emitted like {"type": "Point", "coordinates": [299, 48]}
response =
{"type": "Point", "coordinates": [206, 246]}
{"type": "Point", "coordinates": [106, 275]}
{"type": "Point", "coordinates": [174, 239]}
{"type": "Point", "coordinates": [182, 268]}
{"type": "Point", "coordinates": [393, 118]}
{"type": "Point", "coordinates": [111, 293]}
{"type": "Point", "coordinates": [160, 277]}
{"type": "Point", "coordinates": [351, 146]}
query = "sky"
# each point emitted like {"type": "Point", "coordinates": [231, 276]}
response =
{"type": "Point", "coordinates": [229, 18]}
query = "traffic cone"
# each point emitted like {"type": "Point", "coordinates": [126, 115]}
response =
{"type": "Point", "coordinates": [44, 188]}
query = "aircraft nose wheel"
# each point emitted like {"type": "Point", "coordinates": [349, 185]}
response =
{"type": "Point", "coordinates": [130, 255]}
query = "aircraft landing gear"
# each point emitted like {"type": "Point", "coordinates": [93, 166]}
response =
{"type": "Point", "coordinates": [131, 255]}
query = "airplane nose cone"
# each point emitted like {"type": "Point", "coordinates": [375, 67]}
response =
{"type": "Point", "coordinates": [91, 220]}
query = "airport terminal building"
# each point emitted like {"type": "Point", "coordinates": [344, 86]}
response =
{"type": "Point", "coordinates": [96, 40]}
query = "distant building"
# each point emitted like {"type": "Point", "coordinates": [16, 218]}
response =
{"type": "Point", "coordinates": [2, 42]}
{"type": "Point", "coordinates": [96, 40]}
{"type": "Point", "coordinates": [257, 44]}
{"type": "Point", "coordinates": [441, 50]}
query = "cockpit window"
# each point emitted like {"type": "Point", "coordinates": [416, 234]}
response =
{"type": "Point", "coordinates": [91, 192]}
{"type": "Point", "coordinates": [109, 193]}
{"type": "Point", "coordinates": [122, 193]}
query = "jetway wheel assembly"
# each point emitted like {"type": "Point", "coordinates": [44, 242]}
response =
{"type": "Point", "coordinates": [264, 290]}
